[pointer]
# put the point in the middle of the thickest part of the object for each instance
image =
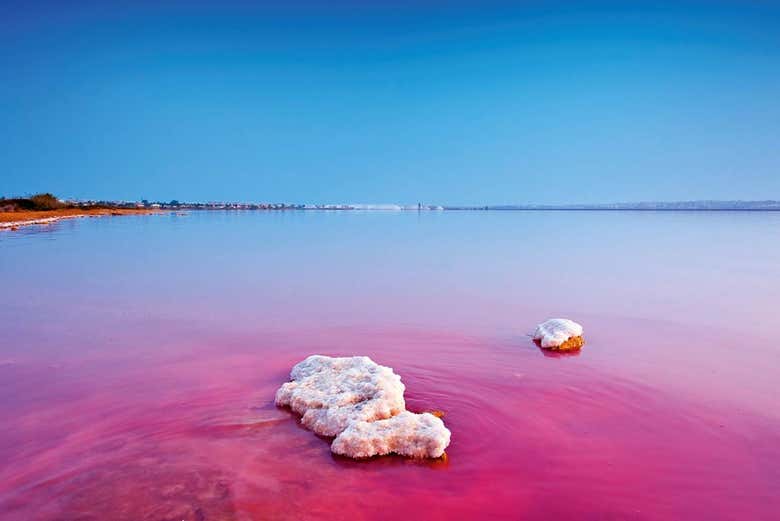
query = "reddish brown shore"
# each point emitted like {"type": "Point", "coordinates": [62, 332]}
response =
{"type": "Point", "coordinates": [574, 343]}
{"type": "Point", "coordinates": [25, 217]}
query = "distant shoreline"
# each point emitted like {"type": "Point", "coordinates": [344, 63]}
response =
{"type": "Point", "coordinates": [15, 216]}
{"type": "Point", "coordinates": [701, 205]}
{"type": "Point", "coordinates": [462, 209]}
{"type": "Point", "coordinates": [47, 201]}
{"type": "Point", "coordinates": [615, 209]}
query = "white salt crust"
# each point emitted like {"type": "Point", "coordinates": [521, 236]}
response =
{"type": "Point", "coordinates": [409, 434]}
{"type": "Point", "coordinates": [362, 404]}
{"type": "Point", "coordinates": [556, 331]}
{"type": "Point", "coordinates": [16, 224]}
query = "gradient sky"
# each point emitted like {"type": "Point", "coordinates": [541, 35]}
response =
{"type": "Point", "coordinates": [440, 102]}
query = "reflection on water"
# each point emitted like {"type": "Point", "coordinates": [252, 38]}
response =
{"type": "Point", "coordinates": [141, 356]}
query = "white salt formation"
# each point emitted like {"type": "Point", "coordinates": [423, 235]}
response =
{"type": "Point", "coordinates": [362, 404]}
{"type": "Point", "coordinates": [43, 220]}
{"type": "Point", "coordinates": [409, 434]}
{"type": "Point", "coordinates": [559, 333]}
{"type": "Point", "coordinates": [330, 393]}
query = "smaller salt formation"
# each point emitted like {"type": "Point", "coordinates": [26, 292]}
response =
{"type": "Point", "coordinates": [361, 403]}
{"type": "Point", "coordinates": [559, 334]}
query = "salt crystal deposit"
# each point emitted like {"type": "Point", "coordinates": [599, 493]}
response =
{"type": "Point", "coordinates": [15, 224]}
{"type": "Point", "coordinates": [362, 404]}
{"type": "Point", "coordinates": [559, 333]}
{"type": "Point", "coordinates": [330, 393]}
{"type": "Point", "coordinates": [409, 434]}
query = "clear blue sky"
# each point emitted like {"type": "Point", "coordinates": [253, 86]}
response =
{"type": "Point", "coordinates": [440, 102]}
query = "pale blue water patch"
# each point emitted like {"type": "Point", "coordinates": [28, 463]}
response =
{"type": "Point", "coordinates": [481, 269]}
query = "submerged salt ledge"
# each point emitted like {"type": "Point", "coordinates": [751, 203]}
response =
{"type": "Point", "coordinates": [362, 404]}
{"type": "Point", "coordinates": [554, 332]}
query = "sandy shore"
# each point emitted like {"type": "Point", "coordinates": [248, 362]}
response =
{"type": "Point", "coordinates": [13, 220]}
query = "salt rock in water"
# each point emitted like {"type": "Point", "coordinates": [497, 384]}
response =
{"type": "Point", "coordinates": [408, 434]}
{"type": "Point", "coordinates": [330, 393]}
{"type": "Point", "coordinates": [362, 404]}
{"type": "Point", "coordinates": [560, 334]}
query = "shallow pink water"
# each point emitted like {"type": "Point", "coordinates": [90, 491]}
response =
{"type": "Point", "coordinates": [130, 405]}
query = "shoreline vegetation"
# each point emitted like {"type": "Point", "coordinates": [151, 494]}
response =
{"type": "Point", "coordinates": [47, 209]}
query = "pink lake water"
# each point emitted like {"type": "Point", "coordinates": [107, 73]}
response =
{"type": "Point", "coordinates": [140, 357]}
